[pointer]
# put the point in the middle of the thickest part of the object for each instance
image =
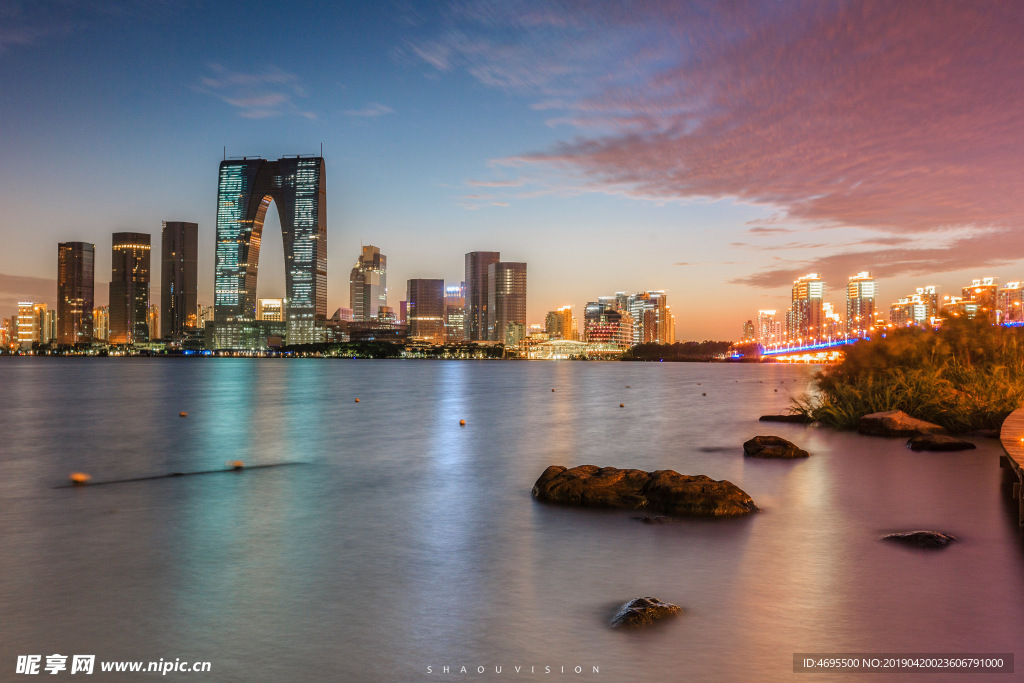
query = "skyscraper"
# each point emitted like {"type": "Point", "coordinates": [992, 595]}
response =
{"type": "Point", "coordinates": [425, 310]}
{"type": "Point", "coordinates": [805, 317]}
{"type": "Point", "coordinates": [245, 189]}
{"type": "Point", "coordinates": [129, 288]}
{"type": "Point", "coordinates": [560, 324]}
{"type": "Point", "coordinates": [860, 304]}
{"type": "Point", "coordinates": [368, 284]}
{"type": "Point", "coordinates": [506, 301]}
{"type": "Point", "coordinates": [76, 280]}
{"type": "Point", "coordinates": [455, 313]}
{"type": "Point", "coordinates": [477, 263]}
{"type": "Point", "coordinates": [179, 279]}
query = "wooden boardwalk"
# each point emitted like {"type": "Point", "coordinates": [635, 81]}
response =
{"type": "Point", "coordinates": [1012, 437]}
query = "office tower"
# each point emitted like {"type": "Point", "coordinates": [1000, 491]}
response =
{"type": "Point", "coordinates": [129, 288]}
{"type": "Point", "coordinates": [455, 313]}
{"type": "Point", "coordinates": [403, 312]}
{"type": "Point", "coordinates": [916, 309]}
{"type": "Point", "coordinates": [749, 331]}
{"type": "Point", "coordinates": [653, 321]}
{"type": "Point", "coordinates": [206, 315]}
{"type": "Point", "coordinates": [1010, 303]}
{"type": "Point", "coordinates": [805, 318]}
{"type": "Point", "coordinates": [76, 280]}
{"type": "Point", "coordinates": [506, 301]}
{"type": "Point", "coordinates": [270, 309]}
{"type": "Point", "coordinates": [179, 279]}
{"type": "Point", "coordinates": [368, 284]}
{"type": "Point", "coordinates": [477, 264]}
{"type": "Point", "coordinates": [860, 304]}
{"type": "Point", "coordinates": [606, 325]}
{"type": "Point", "coordinates": [560, 324]}
{"type": "Point", "coordinates": [48, 329]}
{"type": "Point", "coordinates": [28, 323]}
{"type": "Point", "coordinates": [982, 293]}
{"type": "Point", "coordinates": [425, 310]}
{"type": "Point", "coordinates": [245, 189]}
{"type": "Point", "coordinates": [101, 323]}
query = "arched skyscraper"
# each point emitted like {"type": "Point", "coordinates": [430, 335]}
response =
{"type": "Point", "coordinates": [244, 192]}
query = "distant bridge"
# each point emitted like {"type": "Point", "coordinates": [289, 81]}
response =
{"type": "Point", "coordinates": [808, 348]}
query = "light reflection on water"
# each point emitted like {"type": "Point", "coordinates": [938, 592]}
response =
{"type": "Point", "coordinates": [405, 541]}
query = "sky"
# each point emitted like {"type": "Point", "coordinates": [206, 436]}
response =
{"type": "Point", "coordinates": [715, 150]}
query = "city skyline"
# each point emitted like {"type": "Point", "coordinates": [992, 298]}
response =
{"type": "Point", "coordinates": [589, 141]}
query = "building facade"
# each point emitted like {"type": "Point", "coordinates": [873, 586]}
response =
{"type": "Point", "coordinates": [860, 305]}
{"type": "Point", "coordinates": [245, 189]}
{"type": "Point", "coordinates": [76, 281]}
{"type": "Point", "coordinates": [425, 310]}
{"type": "Point", "coordinates": [179, 279]}
{"type": "Point", "coordinates": [368, 284]}
{"type": "Point", "coordinates": [806, 313]}
{"type": "Point", "coordinates": [477, 288]}
{"type": "Point", "coordinates": [506, 301]}
{"type": "Point", "coordinates": [455, 313]}
{"type": "Point", "coordinates": [129, 288]}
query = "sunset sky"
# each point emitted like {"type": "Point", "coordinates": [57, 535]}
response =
{"type": "Point", "coordinates": [716, 150]}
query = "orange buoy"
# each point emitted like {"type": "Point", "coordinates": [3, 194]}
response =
{"type": "Point", "coordinates": [357, 400]}
{"type": "Point", "coordinates": [80, 478]}
{"type": "Point", "coordinates": [552, 390]}
{"type": "Point", "coordinates": [236, 464]}
{"type": "Point", "coordinates": [462, 423]}
{"type": "Point", "coordinates": [622, 405]}
{"type": "Point", "coordinates": [183, 414]}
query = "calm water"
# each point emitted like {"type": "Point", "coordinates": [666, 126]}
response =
{"type": "Point", "coordinates": [404, 541]}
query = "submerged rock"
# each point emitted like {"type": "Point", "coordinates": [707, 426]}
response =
{"type": "Point", "coordinates": [772, 447]}
{"type": "Point", "coordinates": [921, 539]}
{"type": "Point", "coordinates": [895, 423]}
{"type": "Point", "coordinates": [640, 612]}
{"type": "Point", "coordinates": [794, 418]}
{"type": "Point", "coordinates": [663, 491]}
{"type": "Point", "coordinates": [938, 442]}
{"type": "Point", "coordinates": [656, 519]}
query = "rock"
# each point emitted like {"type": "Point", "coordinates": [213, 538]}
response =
{"type": "Point", "coordinates": [640, 612]}
{"type": "Point", "coordinates": [895, 423]}
{"type": "Point", "coordinates": [921, 539]}
{"type": "Point", "coordinates": [938, 442]}
{"type": "Point", "coordinates": [984, 433]}
{"type": "Point", "coordinates": [772, 447]}
{"type": "Point", "coordinates": [796, 419]}
{"type": "Point", "coordinates": [657, 519]}
{"type": "Point", "coordinates": [663, 491]}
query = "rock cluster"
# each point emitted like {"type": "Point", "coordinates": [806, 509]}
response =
{"type": "Point", "coordinates": [921, 539]}
{"type": "Point", "coordinates": [794, 418]}
{"type": "Point", "coordinates": [938, 442]}
{"type": "Point", "coordinates": [895, 423]}
{"type": "Point", "coordinates": [772, 447]}
{"type": "Point", "coordinates": [643, 612]}
{"type": "Point", "coordinates": [664, 491]}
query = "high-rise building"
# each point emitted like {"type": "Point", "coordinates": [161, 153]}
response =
{"type": "Point", "coordinates": [806, 316]}
{"type": "Point", "coordinates": [425, 310]}
{"type": "Point", "coordinates": [206, 315]}
{"type": "Point", "coordinates": [245, 189]}
{"type": "Point", "coordinates": [916, 309]}
{"type": "Point", "coordinates": [129, 288]}
{"type": "Point", "coordinates": [270, 309]}
{"type": "Point", "coordinates": [749, 331]}
{"type": "Point", "coordinates": [455, 313]}
{"type": "Point", "coordinates": [1010, 303]}
{"type": "Point", "coordinates": [368, 284]}
{"type": "Point", "coordinates": [653, 321]}
{"type": "Point", "coordinates": [76, 279]}
{"type": "Point", "coordinates": [769, 329]}
{"type": "Point", "coordinates": [604, 324]}
{"type": "Point", "coordinates": [982, 293]}
{"type": "Point", "coordinates": [48, 330]}
{"type": "Point", "coordinates": [101, 323]}
{"type": "Point", "coordinates": [506, 301]}
{"type": "Point", "coordinates": [560, 324]}
{"type": "Point", "coordinates": [477, 264]}
{"type": "Point", "coordinates": [31, 323]}
{"type": "Point", "coordinates": [179, 279]}
{"type": "Point", "coordinates": [153, 321]}
{"type": "Point", "coordinates": [860, 304]}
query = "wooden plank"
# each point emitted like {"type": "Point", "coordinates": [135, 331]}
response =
{"type": "Point", "coordinates": [1012, 437]}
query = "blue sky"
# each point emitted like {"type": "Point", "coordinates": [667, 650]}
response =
{"type": "Point", "coordinates": [715, 151]}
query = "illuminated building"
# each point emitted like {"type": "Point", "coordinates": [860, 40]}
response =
{"type": "Point", "coordinates": [386, 314]}
{"type": "Point", "coordinates": [206, 315]}
{"type": "Point", "coordinates": [749, 331]}
{"type": "Point", "coordinates": [343, 315]}
{"type": "Point", "coordinates": [426, 309]}
{"type": "Point", "coordinates": [403, 311]}
{"type": "Point", "coordinates": [368, 284]}
{"type": "Point", "coordinates": [605, 325]}
{"type": "Point", "coordinates": [48, 327]}
{"type": "Point", "coordinates": [982, 293]}
{"type": "Point", "coordinates": [179, 279]}
{"type": "Point", "coordinates": [560, 324]}
{"type": "Point", "coordinates": [506, 301]}
{"type": "Point", "coordinates": [477, 268]}
{"type": "Point", "coordinates": [958, 307]}
{"type": "Point", "coordinates": [769, 330]}
{"type": "Point", "coordinates": [919, 308]}
{"type": "Point", "coordinates": [860, 304]}
{"type": "Point", "coordinates": [1010, 303]}
{"type": "Point", "coordinates": [270, 310]}
{"type": "Point", "coordinates": [129, 288]}
{"type": "Point", "coordinates": [153, 321]}
{"type": "Point", "coordinates": [244, 192]}
{"type": "Point", "coordinates": [30, 320]}
{"type": "Point", "coordinates": [455, 312]}
{"type": "Point", "coordinates": [805, 317]}
{"type": "Point", "coordinates": [831, 323]}
{"type": "Point", "coordinates": [101, 323]}
{"type": "Point", "coordinates": [76, 280]}
{"type": "Point", "coordinates": [653, 322]}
